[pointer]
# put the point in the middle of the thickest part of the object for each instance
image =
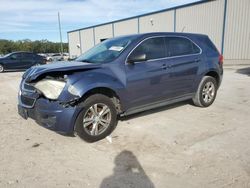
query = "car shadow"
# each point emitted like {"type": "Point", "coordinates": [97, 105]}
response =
{"type": "Point", "coordinates": [127, 172]}
{"type": "Point", "coordinates": [155, 110]}
{"type": "Point", "coordinates": [245, 71]}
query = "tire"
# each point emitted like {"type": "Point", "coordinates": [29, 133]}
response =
{"type": "Point", "coordinates": [206, 93]}
{"type": "Point", "coordinates": [1, 68]}
{"type": "Point", "coordinates": [100, 117]}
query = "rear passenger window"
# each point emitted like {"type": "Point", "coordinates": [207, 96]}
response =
{"type": "Point", "coordinates": [177, 46]}
{"type": "Point", "coordinates": [27, 56]}
{"type": "Point", "coordinates": [154, 48]}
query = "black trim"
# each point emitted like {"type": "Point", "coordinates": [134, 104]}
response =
{"type": "Point", "coordinates": [157, 104]}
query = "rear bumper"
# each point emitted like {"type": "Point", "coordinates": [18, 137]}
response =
{"type": "Point", "coordinates": [51, 115]}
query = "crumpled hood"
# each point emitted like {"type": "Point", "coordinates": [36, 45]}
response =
{"type": "Point", "coordinates": [65, 66]}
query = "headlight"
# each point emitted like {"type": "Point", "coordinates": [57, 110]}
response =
{"type": "Point", "coordinates": [50, 88]}
{"type": "Point", "coordinates": [73, 90]}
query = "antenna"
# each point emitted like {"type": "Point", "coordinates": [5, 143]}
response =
{"type": "Point", "coordinates": [183, 29]}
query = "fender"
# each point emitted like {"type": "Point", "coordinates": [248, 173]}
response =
{"type": "Point", "coordinates": [86, 81]}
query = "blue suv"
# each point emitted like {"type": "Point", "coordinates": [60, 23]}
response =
{"type": "Point", "coordinates": [118, 77]}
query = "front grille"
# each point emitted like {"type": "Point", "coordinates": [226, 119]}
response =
{"type": "Point", "coordinates": [27, 101]}
{"type": "Point", "coordinates": [28, 87]}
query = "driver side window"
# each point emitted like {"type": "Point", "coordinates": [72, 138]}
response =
{"type": "Point", "coordinates": [15, 56]}
{"type": "Point", "coordinates": [153, 48]}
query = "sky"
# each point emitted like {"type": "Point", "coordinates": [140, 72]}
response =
{"type": "Point", "coordinates": [37, 19]}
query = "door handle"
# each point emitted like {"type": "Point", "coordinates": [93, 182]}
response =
{"type": "Point", "coordinates": [197, 60]}
{"type": "Point", "coordinates": [164, 66]}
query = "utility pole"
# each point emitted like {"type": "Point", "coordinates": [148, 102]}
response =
{"type": "Point", "coordinates": [60, 31]}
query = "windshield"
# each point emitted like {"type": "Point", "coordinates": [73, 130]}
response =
{"type": "Point", "coordinates": [106, 51]}
{"type": "Point", "coordinates": [6, 55]}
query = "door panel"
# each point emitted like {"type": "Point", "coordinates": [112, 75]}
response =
{"type": "Point", "coordinates": [182, 75]}
{"type": "Point", "coordinates": [28, 60]}
{"type": "Point", "coordinates": [185, 59]}
{"type": "Point", "coordinates": [147, 79]}
{"type": "Point", "coordinates": [146, 82]}
{"type": "Point", "coordinates": [13, 61]}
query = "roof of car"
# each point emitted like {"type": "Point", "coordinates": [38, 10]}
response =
{"type": "Point", "coordinates": [22, 52]}
{"type": "Point", "coordinates": [164, 33]}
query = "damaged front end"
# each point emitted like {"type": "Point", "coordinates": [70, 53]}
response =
{"type": "Point", "coordinates": [53, 87]}
{"type": "Point", "coordinates": [50, 98]}
{"type": "Point", "coordinates": [40, 100]}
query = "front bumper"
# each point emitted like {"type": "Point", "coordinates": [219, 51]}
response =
{"type": "Point", "coordinates": [49, 114]}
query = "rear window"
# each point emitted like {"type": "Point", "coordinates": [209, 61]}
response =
{"type": "Point", "coordinates": [177, 46]}
{"type": "Point", "coordinates": [27, 56]}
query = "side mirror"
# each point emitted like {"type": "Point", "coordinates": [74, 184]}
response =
{"type": "Point", "coordinates": [137, 58]}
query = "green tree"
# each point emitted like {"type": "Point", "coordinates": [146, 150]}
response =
{"type": "Point", "coordinates": [38, 46]}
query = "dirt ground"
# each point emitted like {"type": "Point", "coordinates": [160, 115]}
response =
{"type": "Point", "coordinates": [176, 146]}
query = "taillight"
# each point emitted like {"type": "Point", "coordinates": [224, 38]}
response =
{"type": "Point", "coordinates": [221, 59]}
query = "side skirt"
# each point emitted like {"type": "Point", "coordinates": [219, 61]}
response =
{"type": "Point", "coordinates": [156, 105]}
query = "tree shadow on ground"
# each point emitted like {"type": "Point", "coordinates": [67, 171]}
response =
{"type": "Point", "coordinates": [128, 173]}
{"type": "Point", "coordinates": [245, 71]}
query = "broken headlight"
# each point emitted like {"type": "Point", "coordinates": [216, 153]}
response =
{"type": "Point", "coordinates": [72, 89]}
{"type": "Point", "coordinates": [50, 88]}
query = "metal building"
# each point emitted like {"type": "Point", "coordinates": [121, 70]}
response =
{"type": "Point", "coordinates": [226, 22]}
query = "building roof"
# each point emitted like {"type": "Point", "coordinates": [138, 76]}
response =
{"type": "Point", "coordinates": [141, 15]}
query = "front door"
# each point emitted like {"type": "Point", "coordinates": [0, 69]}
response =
{"type": "Point", "coordinates": [13, 61]}
{"type": "Point", "coordinates": [147, 79]}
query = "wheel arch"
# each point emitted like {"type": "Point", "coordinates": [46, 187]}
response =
{"type": "Point", "coordinates": [215, 75]}
{"type": "Point", "coordinates": [111, 93]}
{"type": "Point", "coordinates": [2, 64]}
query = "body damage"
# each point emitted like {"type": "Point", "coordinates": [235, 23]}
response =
{"type": "Point", "coordinates": [82, 76]}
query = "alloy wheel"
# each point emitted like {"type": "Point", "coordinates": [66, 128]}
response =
{"type": "Point", "coordinates": [96, 119]}
{"type": "Point", "coordinates": [208, 92]}
{"type": "Point", "coordinates": [1, 68]}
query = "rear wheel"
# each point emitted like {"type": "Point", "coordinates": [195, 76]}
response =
{"type": "Point", "coordinates": [97, 119]}
{"type": "Point", "coordinates": [206, 92]}
{"type": "Point", "coordinates": [1, 68]}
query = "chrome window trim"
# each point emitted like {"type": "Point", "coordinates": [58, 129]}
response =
{"type": "Point", "coordinates": [160, 36]}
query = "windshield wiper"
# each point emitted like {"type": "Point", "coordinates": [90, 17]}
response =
{"type": "Point", "coordinates": [86, 60]}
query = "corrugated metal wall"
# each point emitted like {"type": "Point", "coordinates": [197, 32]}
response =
{"type": "Point", "coordinates": [206, 17]}
{"type": "Point", "coordinates": [126, 27]}
{"type": "Point", "coordinates": [103, 32]}
{"type": "Point", "coordinates": [237, 30]}
{"type": "Point", "coordinates": [74, 41]}
{"type": "Point", "coordinates": [87, 39]}
{"type": "Point", "coordinates": [157, 22]}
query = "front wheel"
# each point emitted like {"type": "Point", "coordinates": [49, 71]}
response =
{"type": "Point", "coordinates": [206, 92]}
{"type": "Point", "coordinates": [1, 68]}
{"type": "Point", "coordinates": [97, 119]}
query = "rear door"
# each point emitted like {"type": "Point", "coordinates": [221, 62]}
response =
{"type": "Point", "coordinates": [28, 60]}
{"type": "Point", "coordinates": [147, 79]}
{"type": "Point", "coordinates": [185, 57]}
